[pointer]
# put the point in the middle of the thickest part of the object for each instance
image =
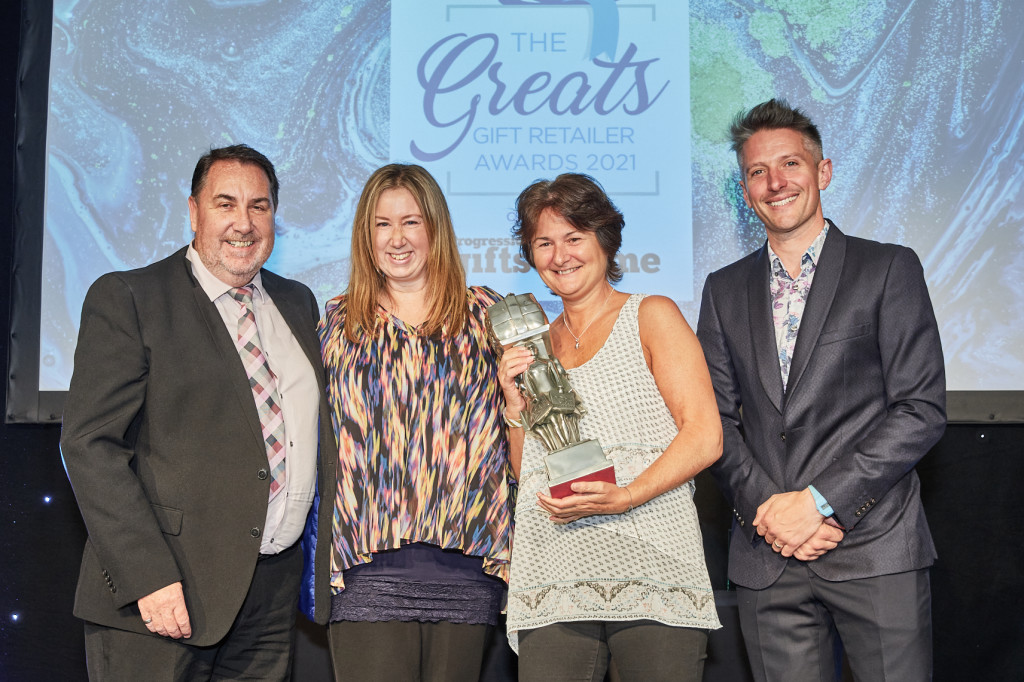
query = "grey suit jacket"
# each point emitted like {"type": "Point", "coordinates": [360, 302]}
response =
{"type": "Point", "coordinates": [163, 446]}
{"type": "Point", "coordinates": [865, 401]}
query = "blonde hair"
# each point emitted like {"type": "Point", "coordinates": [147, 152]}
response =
{"type": "Point", "coordinates": [446, 278]}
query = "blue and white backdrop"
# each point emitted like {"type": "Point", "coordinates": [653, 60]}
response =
{"type": "Point", "coordinates": [920, 102]}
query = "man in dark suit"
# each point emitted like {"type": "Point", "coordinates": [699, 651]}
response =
{"type": "Point", "coordinates": [825, 357]}
{"type": "Point", "coordinates": [190, 437]}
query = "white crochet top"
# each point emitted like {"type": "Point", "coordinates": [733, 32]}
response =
{"type": "Point", "coordinates": [643, 564]}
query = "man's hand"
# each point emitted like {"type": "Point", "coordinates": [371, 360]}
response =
{"type": "Point", "coordinates": [788, 520]}
{"type": "Point", "coordinates": [164, 612]}
{"type": "Point", "coordinates": [825, 539]}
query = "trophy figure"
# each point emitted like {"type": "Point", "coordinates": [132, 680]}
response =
{"type": "Point", "coordinates": [553, 408]}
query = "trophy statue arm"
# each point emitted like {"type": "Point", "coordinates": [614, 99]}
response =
{"type": "Point", "coordinates": [546, 435]}
{"type": "Point", "coordinates": [573, 427]}
{"type": "Point", "coordinates": [564, 429]}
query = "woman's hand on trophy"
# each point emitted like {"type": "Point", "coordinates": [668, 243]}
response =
{"type": "Point", "coordinates": [589, 498]}
{"type": "Point", "coordinates": [514, 362]}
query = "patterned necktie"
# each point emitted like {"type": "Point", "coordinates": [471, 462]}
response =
{"type": "Point", "coordinates": [264, 386]}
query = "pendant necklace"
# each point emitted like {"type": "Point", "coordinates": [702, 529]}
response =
{"type": "Point", "coordinates": [599, 311]}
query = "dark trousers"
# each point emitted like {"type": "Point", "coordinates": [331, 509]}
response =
{"type": "Point", "coordinates": [639, 651]}
{"type": "Point", "coordinates": [797, 628]}
{"type": "Point", "coordinates": [407, 651]}
{"type": "Point", "coordinates": [257, 647]}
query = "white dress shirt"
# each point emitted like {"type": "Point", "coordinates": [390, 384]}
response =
{"type": "Point", "coordinates": [298, 396]}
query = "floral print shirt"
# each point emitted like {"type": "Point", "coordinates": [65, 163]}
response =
{"type": "Point", "coordinates": [789, 297]}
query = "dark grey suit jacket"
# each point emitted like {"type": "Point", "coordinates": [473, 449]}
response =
{"type": "Point", "coordinates": [163, 446]}
{"type": "Point", "coordinates": [865, 401]}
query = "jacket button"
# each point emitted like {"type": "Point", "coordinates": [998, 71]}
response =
{"type": "Point", "coordinates": [255, 532]}
{"type": "Point", "coordinates": [261, 474]}
{"type": "Point", "coordinates": [783, 436]}
{"type": "Point", "coordinates": [858, 513]}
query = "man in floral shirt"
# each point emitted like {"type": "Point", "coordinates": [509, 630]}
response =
{"type": "Point", "coordinates": [828, 372]}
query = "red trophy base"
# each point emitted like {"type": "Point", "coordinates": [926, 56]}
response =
{"type": "Point", "coordinates": [579, 462]}
{"type": "Point", "coordinates": [564, 489]}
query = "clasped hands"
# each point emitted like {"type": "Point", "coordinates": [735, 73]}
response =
{"type": "Point", "coordinates": [793, 526]}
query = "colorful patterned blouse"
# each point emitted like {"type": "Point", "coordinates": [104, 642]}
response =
{"type": "Point", "coordinates": [422, 450]}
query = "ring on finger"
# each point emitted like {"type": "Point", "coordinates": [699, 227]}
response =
{"type": "Point", "coordinates": [147, 621]}
{"type": "Point", "coordinates": [778, 545]}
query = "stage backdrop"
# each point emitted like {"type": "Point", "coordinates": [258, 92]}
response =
{"type": "Point", "coordinates": [920, 104]}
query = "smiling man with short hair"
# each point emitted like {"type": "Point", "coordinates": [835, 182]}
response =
{"type": "Point", "coordinates": [828, 372]}
{"type": "Point", "coordinates": [190, 438]}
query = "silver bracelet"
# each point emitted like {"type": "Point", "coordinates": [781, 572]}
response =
{"type": "Point", "coordinates": [514, 423]}
{"type": "Point", "coordinates": [626, 488]}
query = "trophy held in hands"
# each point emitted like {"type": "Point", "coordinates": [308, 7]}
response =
{"type": "Point", "coordinates": [553, 408]}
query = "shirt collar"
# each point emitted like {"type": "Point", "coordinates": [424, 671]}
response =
{"type": "Point", "coordinates": [809, 259]}
{"type": "Point", "coordinates": [212, 286]}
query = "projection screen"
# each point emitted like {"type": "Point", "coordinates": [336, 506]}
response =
{"type": "Point", "coordinates": [920, 104]}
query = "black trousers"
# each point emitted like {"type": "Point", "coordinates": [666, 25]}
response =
{"type": "Point", "coordinates": [792, 629]}
{"type": "Point", "coordinates": [257, 647]}
{"type": "Point", "coordinates": [407, 651]}
{"type": "Point", "coordinates": [638, 651]}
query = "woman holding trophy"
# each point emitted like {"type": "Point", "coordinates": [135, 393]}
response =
{"type": "Point", "coordinates": [412, 565]}
{"type": "Point", "coordinates": [606, 571]}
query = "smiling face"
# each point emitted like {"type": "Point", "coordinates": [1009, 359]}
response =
{"type": "Point", "coordinates": [782, 183]}
{"type": "Point", "coordinates": [401, 242]}
{"type": "Point", "coordinates": [570, 261]}
{"type": "Point", "coordinates": [233, 221]}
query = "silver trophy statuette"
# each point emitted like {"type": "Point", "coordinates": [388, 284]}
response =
{"type": "Point", "coordinates": [553, 408]}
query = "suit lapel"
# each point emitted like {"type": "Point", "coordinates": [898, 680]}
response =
{"type": "Point", "coordinates": [819, 303]}
{"type": "Point", "coordinates": [762, 328]}
{"type": "Point", "coordinates": [294, 307]}
{"type": "Point", "coordinates": [224, 345]}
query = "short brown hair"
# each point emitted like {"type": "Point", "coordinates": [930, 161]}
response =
{"type": "Point", "coordinates": [242, 153]}
{"type": "Point", "coordinates": [581, 201]}
{"type": "Point", "coordinates": [775, 114]}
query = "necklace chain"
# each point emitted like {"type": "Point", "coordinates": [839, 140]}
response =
{"type": "Point", "coordinates": [599, 311]}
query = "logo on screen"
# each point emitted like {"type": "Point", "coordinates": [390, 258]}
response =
{"type": "Point", "coordinates": [463, 74]}
{"type": "Point", "coordinates": [604, 32]}
{"type": "Point", "coordinates": [491, 95]}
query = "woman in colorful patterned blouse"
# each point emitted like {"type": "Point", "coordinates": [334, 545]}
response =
{"type": "Point", "coordinates": [420, 544]}
{"type": "Point", "coordinates": [610, 574]}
